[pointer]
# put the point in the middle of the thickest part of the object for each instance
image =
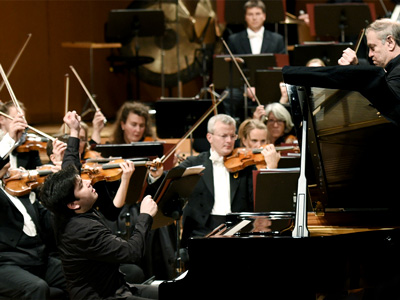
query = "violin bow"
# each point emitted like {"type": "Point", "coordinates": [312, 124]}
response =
{"type": "Point", "coordinates": [10, 90]}
{"type": "Point", "coordinates": [86, 91]}
{"type": "Point", "coordinates": [240, 71]}
{"type": "Point", "coordinates": [211, 90]}
{"type": "Point", "coordinates": [31, 128]}
{"type": "Point", "coordinates": [16, 59]}
{"type": "Point", "coordinates": [66, 98]}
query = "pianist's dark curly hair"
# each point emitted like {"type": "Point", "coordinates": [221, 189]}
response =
{"type": "Point", "coordinates": [56, 192]}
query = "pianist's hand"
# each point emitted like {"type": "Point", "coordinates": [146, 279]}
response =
{"type": "Point", "coordinates": [148, 206]}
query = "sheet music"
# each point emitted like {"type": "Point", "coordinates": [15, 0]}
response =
{"type": "Point", "coordinates": [237, 227]}
{"type": "Point", "coordinates": [193, 170]}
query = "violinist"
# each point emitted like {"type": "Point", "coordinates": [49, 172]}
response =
{"type": "Point", "coordinates": [218, 192]}
{"type": "Point", "coordinates": [27, 160]}
{"type": "Point", "coordinates": [253, 135]}
{"type": "Point", "coordinates": [279, 123]}
{"type": "Point", "coordinates": [133, 124]}
{"type": "Point", "coordinates": [28, 264]}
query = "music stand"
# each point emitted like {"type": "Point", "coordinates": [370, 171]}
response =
{"type": "Point", "coordinates": [171, 197]}
{"type": "Point", "coordinates": [123, 26]}
{"type": "Point", "coordinates": [276, 190]}
{"type": "Point", "coordinates": [252, 62]}
{"type": "Point", "coordinates": [135, 190]}
{"type": "Point", "coordinates": [138, 149]}
{"type": "Point", "coordinates": [224, 65]}
{"type": "Point", "coordinates": [267, 85]}
{"type": "Point", "coordinates": [181, 114]}
{"type": "Point", "coordinates": [341, 19]}
{"type": "Point", "coordinates": [328, 52]}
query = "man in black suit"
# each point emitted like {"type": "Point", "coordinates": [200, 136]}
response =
{"type": "Point", "coordinates": [218, 192]}
{"type": "Point", "coordinates": [255, 39]}
{"type": "Point", "coordinates": [27, 270]}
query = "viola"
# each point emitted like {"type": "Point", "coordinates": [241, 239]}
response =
{"type": "Point", "coordinates": [20, 182]}
{"type": "Point", "coordinates": [243, 157]}
{"type": "Point", "coordinates": [109, 172]}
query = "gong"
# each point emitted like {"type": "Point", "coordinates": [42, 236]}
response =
{"type": "Point", "coordinates": [186, 28]}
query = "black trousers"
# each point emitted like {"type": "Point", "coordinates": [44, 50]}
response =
{"type": "Point", "coordinates": [19, 283]}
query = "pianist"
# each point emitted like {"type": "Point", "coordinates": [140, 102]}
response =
{"type": "Point", "coordinates": [380, 84]}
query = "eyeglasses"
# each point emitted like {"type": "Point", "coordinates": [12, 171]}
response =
{"type": "Point", "coordinates": [272, 121]}
{"type": "Point", "coordinates": [226, 136]}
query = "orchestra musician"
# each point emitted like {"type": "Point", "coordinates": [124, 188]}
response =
{"type": "Point", "coordinates": [253, 135]}
{"type": "Point", "coordinates": [255, 39]}
{"type": "Point", "coordinates": [279, 123]}
{"type": "Point", "coordinates": [29, 267]}
{"type": "Point", "coordinates": [379, 83]}
{"type": "Point", "coordinates": [217, 192]}
{"type": "Point", "coordinates": [27, 160]}
{"type": "Point", "coordinates": [82, 229]}
{"type": "Point", "coordinates": [133, 124]}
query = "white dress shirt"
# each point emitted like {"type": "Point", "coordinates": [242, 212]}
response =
{"type": "Point", "coordinates": [222, 186]}
{"type": "Point", "coordinates": [256, 39]}
{"type": "Point", "coordinates": [29, 227]}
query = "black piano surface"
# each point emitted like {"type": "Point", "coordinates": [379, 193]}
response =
{"type": "Point", "coordinates": [289, 268]}
{"type": "Point", "coordinates": [349, 169]}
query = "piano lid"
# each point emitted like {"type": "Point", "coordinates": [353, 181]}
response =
{"type": "Point", "coordinates": [352, 150]}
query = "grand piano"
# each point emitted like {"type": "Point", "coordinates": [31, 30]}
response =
{"type": "Point", "coordinates": [353, 241]}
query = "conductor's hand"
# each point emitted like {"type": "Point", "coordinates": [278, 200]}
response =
{"type": "Point", "coordinates": [148, 206]}
{"type": "Point", "coordinates": [349, 57]}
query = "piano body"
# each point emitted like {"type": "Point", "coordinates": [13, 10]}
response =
{"type": "Point", "coordinates": [354, 242]}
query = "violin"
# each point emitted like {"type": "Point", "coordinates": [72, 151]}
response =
{"type": "Point", "coordinates": [33, 143]}
{"type": "Point", "coordinates": [109, 172]}
{"type": "Point", "coordinates": [20, 182]}
{"type": "Point", "coordinates": [91, 154]}
{"type": "Point", "coordinates": [243, 157]}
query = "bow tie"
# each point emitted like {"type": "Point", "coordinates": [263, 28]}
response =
{"type": "Point", "coordinates": [252, 34]}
